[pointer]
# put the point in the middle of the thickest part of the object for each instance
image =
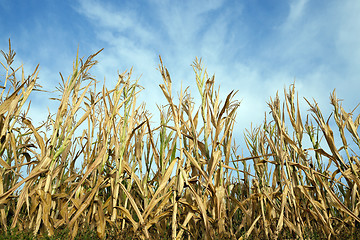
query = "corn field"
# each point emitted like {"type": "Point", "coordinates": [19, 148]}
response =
{"type": "Point", "coordinates": [99, 163]}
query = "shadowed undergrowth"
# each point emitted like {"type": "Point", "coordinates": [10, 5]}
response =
{"type": "Point", "coordinates": [98, 164]}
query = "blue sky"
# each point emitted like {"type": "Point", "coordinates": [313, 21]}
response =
{"type": "Point", "coordinates": [256, 47]}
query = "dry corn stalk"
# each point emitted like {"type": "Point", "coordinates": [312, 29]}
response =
{"type": "Point", "coordinates": [100, 163]}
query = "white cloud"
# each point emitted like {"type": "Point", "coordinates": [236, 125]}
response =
{"type": "Point", "coordinates": [296, 12]}
{"type": "Point", "coordinates": [177, 38]}
{"type": "Point", "coordinates": [316, 43]}
{"type": "Point", "coordinates": [348, 32]}
{"type": "Point", "coordinates": [309, 46]}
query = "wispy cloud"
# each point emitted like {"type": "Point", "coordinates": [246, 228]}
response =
{"type": "Point", "coordinates": [181, 33]}
{"type": "Point", "coordinates": [300, 47]}
{"type": "Point", "coordinates": [250, 47]}
{"type": "Point", "coordinates": [297, 8]}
